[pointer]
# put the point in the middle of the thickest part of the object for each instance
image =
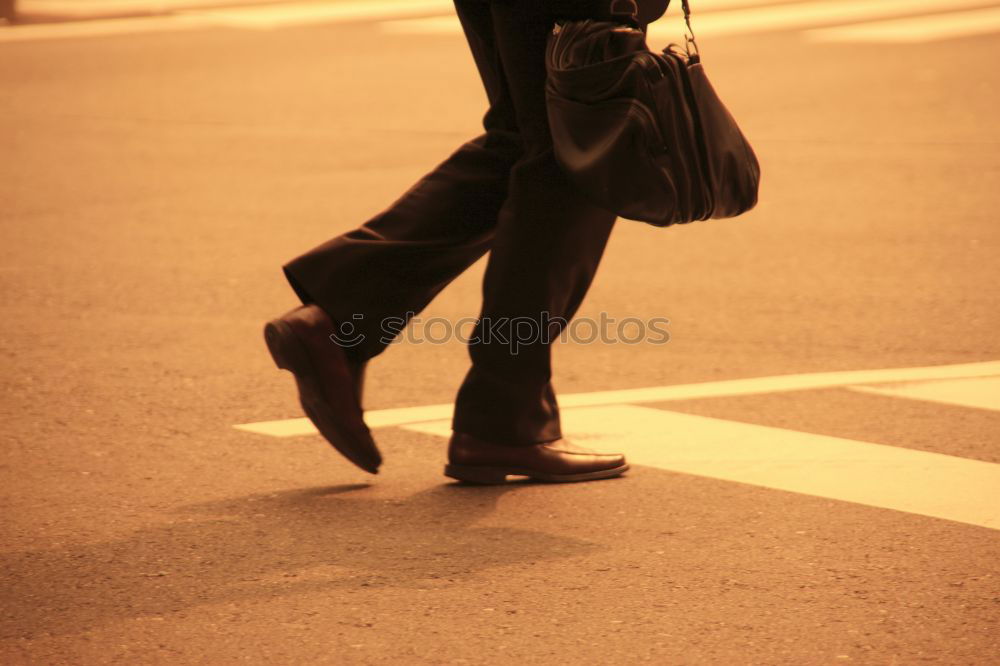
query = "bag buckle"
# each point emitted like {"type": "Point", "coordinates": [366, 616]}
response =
{"type": "Point", "coordinates": [627, 8]}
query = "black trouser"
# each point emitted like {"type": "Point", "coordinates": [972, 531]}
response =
{"type": "Point", "coordinates": [501, 192]}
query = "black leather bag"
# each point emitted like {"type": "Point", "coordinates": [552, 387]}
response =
{"type": "Point", "coordinates": [644, 134]}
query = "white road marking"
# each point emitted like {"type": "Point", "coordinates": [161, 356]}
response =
{"type": "Point", "coordinates": [449, 25]}
{"type": "Point", "coordinates": [731, 387]}
{"type": "Point", "coordinates": [251, 17]}
{"type": "Point", "coordinates": [981, 392]}
{"type": "Point", "coordinates": [379, 418]}
{"type": "Point", "coordinates": [290, 14]}
{"type": "Point", "coordinates": [914, 29]}
{"type": "Point", "coordinates": [102, 28]}
{"type": "Point", "coordinates": [799, 15]}
{"type": "Point", "coordinates": [92, 9]}
{"type": "Point", "coordinates": [432, 25]}
{"type": "Point", "coordinates": [734, 17]}
{"type": "Point", "coordinates": [887, 477]}
{"type": "Point", "coordinates": [721, 17]}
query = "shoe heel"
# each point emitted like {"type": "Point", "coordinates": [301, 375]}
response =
{"type": "Point", "coordinates": [275, 332]}
{"type": "Point", "coordinates": [481, 475]}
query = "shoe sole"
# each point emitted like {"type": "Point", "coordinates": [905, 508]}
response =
{"type": "Point", "coordinates": [490, 476]}
{"type": "Point", "coordinates": [290, 354]}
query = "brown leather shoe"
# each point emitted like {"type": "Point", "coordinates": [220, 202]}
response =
{"type": "Point", "coordinates": [475, 461]}
{"type": "Point", "coordinates": [329, 382]}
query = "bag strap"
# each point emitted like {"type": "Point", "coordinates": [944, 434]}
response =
{"type": "Point", "coordinates": [689, 40]}
{"type": "Point", "coordinates": [630, 9]}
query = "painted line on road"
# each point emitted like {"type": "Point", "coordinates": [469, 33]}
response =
{"type": "Point", "coordinates": [876, 475]}
{"type": "Point", "coordinates": [722, 17]}
{"type": "Point", "coordinates": [917, 29]}
{"type": "Point", "coordinates": [450, 25]}
{"type": "Point", "coordinates": [977, 392]}
{"type": "Point", "coordinates": [432, 25]}
{"type": "Point", "coordinates": [731, 387]}
{"type": "Point", "coordinates": [735, 18]}
{"type": "Point", "coordinates": [292, 14]}
{"type": "Point", "coordinates": [264, 17]}
{"type": "Point", "coordinates": [101, 28]}
{"type": "Point", "coordinates": [805, 14]}
{"type": "Point", "coordinates": [76, 10]}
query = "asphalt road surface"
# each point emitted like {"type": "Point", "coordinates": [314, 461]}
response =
{"type": "Point", "coordinates": [155, 174]}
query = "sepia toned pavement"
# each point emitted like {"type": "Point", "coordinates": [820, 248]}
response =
{"type": "Point", "coordinates": [154, 180]}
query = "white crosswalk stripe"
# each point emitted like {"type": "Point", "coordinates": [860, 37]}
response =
{"type": "Point", "coordinates": [914, 29]}
{"type": "Point", "coordinates": [886, 21]}
{"type": "Point", "coordinates": [251, 17]}
{"type": "Point", "coordinates": [877, 475]}
{"type": "Point", "coordinates": [732, 387]}
{"type": "Point", "coordinates": [744, 17]}
{"type": "Point", "coordinates": [978, 392]}
{"type": "Point", "coordinates": [887, 477]}
{"type": "Point", "coordinates": [283, 15]}
{"type": "Point", "coordinates": [805, 14]}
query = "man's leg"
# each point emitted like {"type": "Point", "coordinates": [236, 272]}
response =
{"type": "Point", "coordinates": [394, 264]}
{"type": "Point", "coordinates": [546, 248]}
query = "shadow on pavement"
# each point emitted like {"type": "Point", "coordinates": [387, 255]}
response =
{"type": "Point", "coordinates": [263, 546]}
